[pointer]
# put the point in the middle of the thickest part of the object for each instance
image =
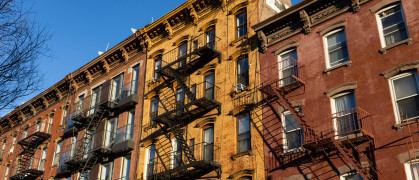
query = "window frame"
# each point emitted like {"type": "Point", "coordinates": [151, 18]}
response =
{"type": "Point", "coordinates": [334, 110]}
{"type": "Point", "coordinates": [281, 59]}
{"type": "Point", "coordinates": [156, 112]}
{"type": "Point", "coordinates": [238, 133]}
{"type": "Point", "coordinates": [125, 168]}
{"type": "Point", "coordinates": [243, 25]}
{"type": "Point", "coordinates": [155, 74]}
{"type": "Point", "coordinates": [408, 169]}
{"type": "Point", "coordinates": [343, 176]}
{"type": "Point", "coordinates": [56, 155]}
{"type": "Point", "coordinates": [326, 46]}
{"type": "Point", "coordinates": [393, 95]}
{"type": "Point", "coordinates": [147, 160]}
{"type": "Point", "coordinates": [380, 24]}
{"type": "Point", "coordinates": [209, 73]}
{"type": "Point", "coordinates": [110, 173]}
{"type": "Point", "coordinates": [243, 58]}
{"type": "Point", "coordinates": [208, 41]}
{"type": "Point", "coordinates": [285, 145]}
{"type": "Point", "coordinates": [204, 144]}
{"type": "Point", "coordinates": [183, 62]}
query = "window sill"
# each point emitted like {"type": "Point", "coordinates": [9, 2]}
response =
{"type": "Point", "coordinates": [347, 64]}
{"type": "Point", "coordinates": [245, 153]}
{"type": "Point", "coordinates": [400, 125]}
{"type": "Point", "coordinates": [406, 41]}
{"type": "Point", "coordinates": [148, 127]}
{"type": "Point", "coordinates": [234, 92]}
{"type": "Point", "coordinates": [238, 39]}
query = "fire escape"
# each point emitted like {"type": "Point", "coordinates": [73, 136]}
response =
{"type": "Point", "coordinates": [182, 163]}
{"type": "Point", "coordinates": [28, 166]}
{"type": "Point", "coordinates": [354, 128]}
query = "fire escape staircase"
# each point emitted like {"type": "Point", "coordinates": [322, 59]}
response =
{"type": "Point", "coordinates": [343, 146]}
{"type": "Point", "coordinates": [85, 158]}
{"type": "Point", "coordinates": [29, 146]}
{"type": "Point", "coordinates": [174, 120]}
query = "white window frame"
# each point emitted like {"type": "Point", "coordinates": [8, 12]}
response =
{"type": "Point", "coordinates": [280, 69]}
{"type": "Point", "coordinates": [6, 172]}
{"type": "Point", "coordinates": [124, 168]}
{"type": "Point", "coordinates": [147, 159]}
{"type": "Point", "coordinates": [393, 95]}
{"type": "Point", "coordinates": [64, 114]}
{"type": "Point", "coordinates": [380, 25]}
{"type": "Point", "coordinates": [284, 140]}
{"type": "Point", "coordinates": [409, 173]}
{"type": "Point", "coordinates": [326, 45]}
{"type": "Point", "coordinates": [43, 157]}
{"type": "Point", "coordinates": [333, 107]}
{"type": "Point", "coordinates": [110, 164]}
{"type": "Point", "coordinates": [342, 177]}
{"type": "Point", "coordinates": [57, 151]}
{"type": "Point", "coordinates": [111, 132]}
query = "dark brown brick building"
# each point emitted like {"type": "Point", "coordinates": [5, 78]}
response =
{"type": "Point", "coordinates": [340, 90]}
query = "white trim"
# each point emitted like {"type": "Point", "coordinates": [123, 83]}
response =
{"type": "Point", "coordinates": [121, 72]}
{"type": "Point", "coordinates": [135, 64]}
{"type": "Point", "coordinates": [408, 169]}
{"type": "Point", "coordinates": [342, 177]}
{"type": "Point", "coordinates": [284, 139]}
{"type": "Point", "coordinates": [380, 25]}
{"type": "Point", "coordinates": [97, 85]}
{"type": "Point", "coordinates": [326, 46]}
{"type": "Point", "coordinates": [333, 108]}
{"type": "Point", "coordinates": [82, 93]}
{"type": "Point", "coordinates": [393, 95]}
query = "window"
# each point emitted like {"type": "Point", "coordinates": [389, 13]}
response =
{"type": "Point", "coordinates": [351, 176]}
{"type": "Point", "coordinates": [412, 170]}
{"type": "Point", "coordinates": [243, 70]}
{"type": "Point", "coordinates": [209, 85]}
{"type": "Point", "coordinates": [336, 47]}
{"type": "Point", "coordinates": [405, 95]}
{"type": "Point", "coordinates": [6, 172]}
{"type": "Point", "coordinates": [288, 67]}
{"type": "Point", "coordinates": [73, 146]}
{"type": "Point", "coordinates": [243, 136]}
{"type": "Point", "coordinates": [117, 83]}
{"type": "Point", "coordinates": [135, 77]}
{"type": "Point", "coordinates": [154, 109]}
{"type": "Point", "coordinates": [209, 143]}
{"type": "Point", "coordinates": [80, 104]}
{"type": "Point", "coordinates": [25, 132]}
{"type": "Point", "coordinates": [245, 178]}
{"type": "Point", "coordinates": [50, 123]}
{"type": "Point", "coordinates": [192, 146]}
{"type": "Point", "coordinates": [151, 157]}
{"type": "Point", "coordinates": [345, 113]}
{"type": "Point", "coordinates": [111, 127]}
{"type": "Point", "coordinates": [13, 143]}
{"type": "Point", "coordinates": [180, 100]}
{"type": "Point", "coordinates": [125, 168]}
{"type": "Point", "coordinates": [41, 165]}
{"type": "Point", "coordinates": [193, 90]}
{"type": "Point", "coordinates": [292, 132]}
{"type": "Point", "coordinates": [210, 36]}
{"type": "Point", "coordinates": [241, 23]}
{"type": "Point", "coordinates": [106, 171]}
{"type": "Point", "coordinates": [392, 25]}
{"type": "Point", "coordinates": [56, 157]}
{"type": "Point", "coordinates": [95, 99]}
{"type": "Point", "coordinates": [64, 115]}
{"type": "Point", "coordinates": [130, 125]}
{"type": "Point", "coordinates": [157, 65]}
{"type": "Point", "coordinates": [182, 50]}
{"type": "Point", "coordinates": [176, 153]}
{"type": "Point", "coordinates": [3, 146]}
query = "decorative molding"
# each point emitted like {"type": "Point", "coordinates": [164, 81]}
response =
{"type": "Point", "coordinates": [168, 28]}
{"type": "Point", "coordinates": [290, 29]}
{"type": "Point", "coordinates": [156, 53]}
{"type": "Point", "coordinates": [238, 53]}
{"type": "Point", "coordinates": [406, 41]}
{"type": "Point", "coordinates": [340, 88]}
{"type": "Point", "coordinates": [282, 48]}
{"type": "Point", "coordinates": [400, 68]}
{"type": "Point", "coordinates": [241, 173]}
{"type": "Point", "coordinates": [205, 122]}
{"type": "Point", "coordinates": [193, 14]}
{"type": "Point", "coordinates": [345, 64]}
{"type": "Point", "coordinates": [382, 4]}
{"type": "Point", "coordinates": [355, 5]}
{"type": "Point", "coordinates": [330, 27]}
{"type": "Point", "coordinates": [207, 68]}
{"type": "Point", "coordinates": [305, 19]}
{"type": "Point", "coordinates": [208, 24]}
{"type": "Point", "coordinates": [180, 40]}
{"type": "Point", "coordinates": [263, 42]}
{"type": "Point", "coordinates": [236, 8]}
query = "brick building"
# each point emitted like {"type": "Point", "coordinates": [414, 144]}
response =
{"type": "Point", "coordinates": [87, 122]}
{"type": "Point", "coordinates": [339, 83]}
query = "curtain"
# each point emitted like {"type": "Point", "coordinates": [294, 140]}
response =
{"type": "Point", "coordinates": [346, 116]}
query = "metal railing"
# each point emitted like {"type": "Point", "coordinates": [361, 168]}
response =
{"type": "Point", "coordinates": [245, 98]}
{"type": "Point", "coordinates": [194, 45]}
{"type": "Point", "coordinates": [202, 92]}
{"type": "Point", "coordinates": [34, 164]}
{"type": "Point", "coordinates": [40, 126]}
{"type": "Point", "coordinates": [281, 74]}
{"type": "Point", "coordinates": [106, 95]}
{"type": "Point", "coordinates": [351, 121]}
{"type": "Point", "coordinates": [124, 133]}
{"type": "Point", "coordinates": [202, 152]}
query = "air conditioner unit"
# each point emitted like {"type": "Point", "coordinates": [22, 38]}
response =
{"type": "Point", "coordinates": [239, 87]}
{"type": "Point", "coordinates": [153, 79]}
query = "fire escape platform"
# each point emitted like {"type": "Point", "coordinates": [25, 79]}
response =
{"type": "Point", "coordinates": [203, 106]}
{"type": "Point", "coordinates": [355, 138]}
{"type": "Point", "coordinates": [193, 170]}
{"type": "Point", "coordinates": [205, 55]}
{"type": "Point", "coordinates": [34, 139]}
{"type": "Point", "coordinates": [29, 174]}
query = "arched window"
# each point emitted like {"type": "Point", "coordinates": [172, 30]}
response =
{"type": "Point", "coordinates": [241, 22]}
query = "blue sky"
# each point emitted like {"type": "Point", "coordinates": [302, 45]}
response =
{"type": "Point", "coordinates": [82, 28]}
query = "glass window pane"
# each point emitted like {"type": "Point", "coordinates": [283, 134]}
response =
{"type": "Point", "coordinates": [354, 176]}
{"type": "Point", "coordinates": [336, 38]}
{"type": "Point", "coordinates": [209, 135]}
{"type": "Point", "coordinates": [345, 102]}
{"type": "Point", "coordinates": [394, 27]}
{"type": "Point", "coordinates": [408, 107]}
{"type": "Point", "coordinates": [244, 145]}
{"type": "Point", "coordinates": [291, 123]}
{"type": "Point", "coordinates": [405, 86]}
{"type": "Point", "coordinates": [244, 124]}
{"type": "Point", "coordinates": [293, 139]}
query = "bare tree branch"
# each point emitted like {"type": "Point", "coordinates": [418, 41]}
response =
{"type": "Point", "coordinates": [22, 43]}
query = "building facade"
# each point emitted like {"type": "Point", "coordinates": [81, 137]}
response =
{"type": "Point", "coordinates": [82, 127]}
{"type": "Point", "coordinates": [339, 83]}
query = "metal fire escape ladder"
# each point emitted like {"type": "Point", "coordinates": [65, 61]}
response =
{"type": "Point", "coordinates": [83, 148]}
{"type": "Point", "coordinates": [341, 148]}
